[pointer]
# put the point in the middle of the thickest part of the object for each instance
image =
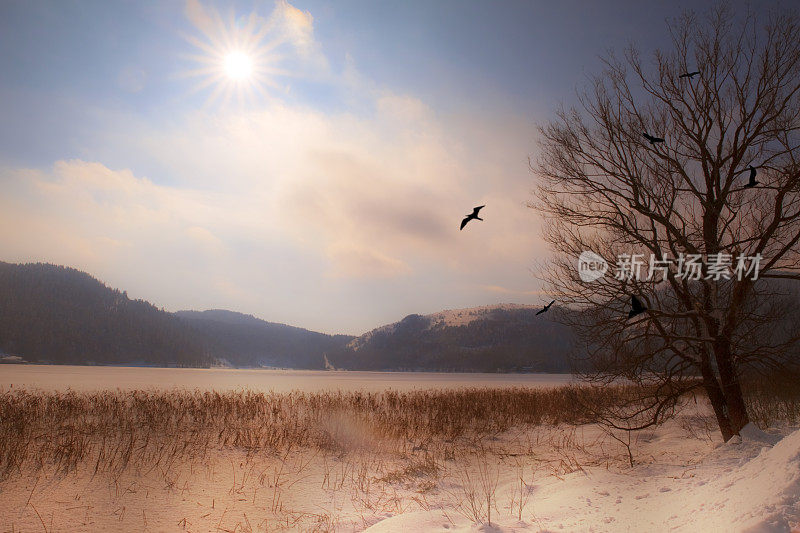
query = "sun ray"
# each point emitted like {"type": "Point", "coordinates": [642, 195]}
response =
{"type": "Point", "coordinates": [236, 59]}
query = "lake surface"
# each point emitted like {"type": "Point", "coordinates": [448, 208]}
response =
{"type": "Point", "coordinates": [89, 378]}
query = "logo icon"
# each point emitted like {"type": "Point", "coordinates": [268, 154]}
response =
{"type": "Point", "coordinates": [591, 266]}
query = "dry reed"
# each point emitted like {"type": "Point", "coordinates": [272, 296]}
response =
{"type": "Point", "coordinates": [111, 431]}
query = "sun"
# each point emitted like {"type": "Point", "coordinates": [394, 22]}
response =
{"type": "Point", "coordinates": [235, 59]}
{"type": "Point", "coordinates": [238, 66]}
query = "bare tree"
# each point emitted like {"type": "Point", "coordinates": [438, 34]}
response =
{"type": "Point", "coordinates": [605, 187]}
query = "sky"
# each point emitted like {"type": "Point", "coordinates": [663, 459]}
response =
{"type": "Point", "coordinates": [308, 162]}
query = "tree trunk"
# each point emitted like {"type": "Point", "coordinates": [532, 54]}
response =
{"type": "Point", "coordinates": [717, 399]}
{"type": "Point", "coordinates": [729, 379]}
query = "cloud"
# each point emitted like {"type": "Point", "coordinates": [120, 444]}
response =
{"type": "Point", "coordinates": [403, 107]}
{"type": "Point", "coordinates": [296, 29]}
{"type": "Point", "coordinates": [395, 180]}
{"type": "Point", "coordinates": [86, 211]}
{"type": "Point", "coordinates": [323, 180]}
{"type": "Point", "coordinates": [297, 26]}
{"type": "Point", "coordinates": [364, 263]}
{"type": "Point", "coordinates": [205, 238]}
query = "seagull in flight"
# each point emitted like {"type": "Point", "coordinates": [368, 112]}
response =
{"type": "Point", "coordinates": [689, 75]}
{"type": "Point", "coordinates": [653, 140]}
{"type": "Point", "coordinates": [753, 181]}
{"type": "Point", "coordinates": [546, 308]}
{"type": "Point", "coordinates": [636, 307]}
{"type": "Point", "coordinates": [472, 216]}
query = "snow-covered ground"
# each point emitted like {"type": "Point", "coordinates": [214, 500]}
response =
{"type": "Point", "coordinates": [531, 479]}
{"type": "Point", "coordinates": [748, 486]}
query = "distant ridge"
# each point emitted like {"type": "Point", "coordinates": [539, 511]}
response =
{"type": "Point", "coordinates": [56, 314]}
{"type": "Point", "coordinates": [244, 340]}
{"type": "Point", "coordinates": [505, 337]}
{"type": "Point", "coordinates": [441, 319]}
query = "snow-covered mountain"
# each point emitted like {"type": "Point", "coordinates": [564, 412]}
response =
{"type": "Point", "coordinates": [499, 337]}
{"type": "Point", "coordinates": [442, 319]}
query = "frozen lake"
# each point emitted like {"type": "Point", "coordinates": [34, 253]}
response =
{"type": "Point", "coordinates": [88, 378]}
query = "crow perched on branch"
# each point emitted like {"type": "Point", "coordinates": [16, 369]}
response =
{"type": "Point", "coordinates": [753, 181]}
{"type": "Point", "coordinates": [637, 308]}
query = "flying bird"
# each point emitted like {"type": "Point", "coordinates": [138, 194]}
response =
{"type": "Point", "coordinates": [472, 216]}
{"type": "Point", "coordinates": [753, 181]}
{"type": "Point", "coordinates": [636, 307]}
{"type": "Point", "coordinates": [653, 140]}
{"type": "Point", "coordinates": [546, 308]}
{"type": "Point", "coordinates": [689, 75]}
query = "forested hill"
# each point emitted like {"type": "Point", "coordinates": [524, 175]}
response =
{"type": "Point", "coordinates": [243, 340]}
{"type": "Point", "coordinates": [483, 339]}
{"type": "Point", "coordinates": [57, 314]}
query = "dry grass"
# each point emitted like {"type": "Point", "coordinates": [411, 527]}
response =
{"type": "Point", "coordinates": [113, 431]}
{"type": "Point", "coordinates": [774, 400]}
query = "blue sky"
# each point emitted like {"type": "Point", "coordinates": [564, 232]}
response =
{"type": "Point", "coordinates": [329, 198]}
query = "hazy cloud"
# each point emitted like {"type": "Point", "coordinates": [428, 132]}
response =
{"type": "Point", "coordinates": [296, 25]}
{"type": "Point", "coordinates": [351, 261]}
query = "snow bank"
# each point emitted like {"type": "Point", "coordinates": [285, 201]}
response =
{"type": "Point", "coordinates": [749, 486]}
{"type": "Point", "coordinates": [762, 495]}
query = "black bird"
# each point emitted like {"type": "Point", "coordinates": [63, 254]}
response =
{"type": "Point", "coordinates": [753, 181]}
{"type": "Point", "coordinates": [636, 307]}
{"type": "Point", "coordinates": [546, 308]}
{"type": "Point", "coordinates": [653, 140]}
{"type": "Point", "coordinates": [689, 75]}
{"type": "Point", "coordinates": [472, 216]}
